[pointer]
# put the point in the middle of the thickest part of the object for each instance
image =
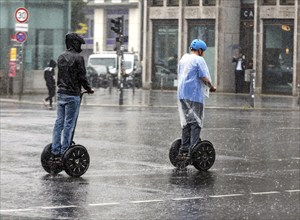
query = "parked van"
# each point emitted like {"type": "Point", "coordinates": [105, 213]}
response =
{"type": "Point", "coordinates": [108, 61]}
{"type": "Point", "coordinates": [102, 66]}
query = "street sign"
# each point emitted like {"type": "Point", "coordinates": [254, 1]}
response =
{"type": "Point", "coordinates": [12, 69]}
{"type": "Point", "coordinates": [21, 27]}
{"type": "Point", "coordinates": [21, 15]}
{"type": "Point", "coordinates": [21, 37]}
{"type": "Point", "coordinates": [13, 37]}
{"type": "Point", "coordinates": [13, 54]}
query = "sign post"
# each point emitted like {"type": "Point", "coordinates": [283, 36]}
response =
{"type": "Point", "coordinates": [21, 27]}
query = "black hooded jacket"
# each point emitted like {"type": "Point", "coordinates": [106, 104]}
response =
{"type": "Point", "coordinates": [71, 68]}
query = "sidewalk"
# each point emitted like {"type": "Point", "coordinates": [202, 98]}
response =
{"type": "Point", "coordinates": [156, 98]}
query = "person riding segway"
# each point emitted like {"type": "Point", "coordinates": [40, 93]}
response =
{"type": "Point", "coordinates": [194, 85]}
{"type": "Point", "coordinates": [71, 77]}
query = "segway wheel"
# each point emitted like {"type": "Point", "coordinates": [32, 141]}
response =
{"type": "Point", "coordinates": [76, 161]}
{"type": "Point", "coordinates": [203, 155]}
{"type": "Point", "coordinates": [174, 150]}
{"type": "Point", "coordinates": [53, 168]}
{"type": "Point", "coordinates": [173, 153]}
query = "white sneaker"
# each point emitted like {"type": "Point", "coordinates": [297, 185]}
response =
{"type": "Point", "coordinates": [44, 102]}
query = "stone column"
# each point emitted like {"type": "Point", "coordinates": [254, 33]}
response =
{"type": "Point", "coordinates": [296, 79]}
{"type": "Point", "coordinates": [228, 34]}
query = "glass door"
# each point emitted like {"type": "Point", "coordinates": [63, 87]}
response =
{"type": "Point", "coordinates": [165, 57]}
{"type": "Point", "coordinates": [278, 56]}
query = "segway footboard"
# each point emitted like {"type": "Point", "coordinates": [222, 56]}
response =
{"type": "Point", "coordinates": [203, 155]}
{"type": "Point", "coordinates": [76, 161]}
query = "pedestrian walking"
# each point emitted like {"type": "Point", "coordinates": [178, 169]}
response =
{"type": "Point", "coordinates": [71, 77]}
{"type": "Point", "coordinates": [194, 85]}
{"type": "Point", "coordinates": [49, 76]}
{"type": "Point", "coordinates": [239, 72]}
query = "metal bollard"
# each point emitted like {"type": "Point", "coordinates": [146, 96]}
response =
{"type": "Point", "coordinates": [298, 88]}
{"type": "Point", "coordinates": [252, 87]}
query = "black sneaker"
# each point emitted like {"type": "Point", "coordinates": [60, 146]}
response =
{"type": "Point", "coordinates": [182, 156]}
{"type": "Point", "coordinates": [55, 158]}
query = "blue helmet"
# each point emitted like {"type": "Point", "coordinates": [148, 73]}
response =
{"type": "Point", "coordinates": [198, 44]}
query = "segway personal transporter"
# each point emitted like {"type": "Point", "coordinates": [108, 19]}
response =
{"type": "Point", "coordinates": [202, 155]}
{"type": "Point", "coordinates": [75, 161]}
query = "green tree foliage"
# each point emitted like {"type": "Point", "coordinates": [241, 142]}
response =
{"type": "Point", "coordinates": [77, 14]}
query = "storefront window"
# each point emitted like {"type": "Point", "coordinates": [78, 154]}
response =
{"type": "Point", "coordinates": [156, 2]}
{"type": "Point", "coordinates": [269, 2]}
{"type": "Point", "coordinates": [192, 3]}
{"type": "Point", "coordinates": [287, 2]}
{"type": "Point", "coordinates": [204, 30]}
{"type": "Point", "coordinates": [165, 49]}
{"type": "Point", "coordinates": [247, 2]}
{"type": "Point", "coordinates": [278, 56]}
{"type": "Point", "coordinates": [209, 2]}
{"type": "Point", "coordinates": [44, 48]}
{"type": "Point", "coordinates": [173, 3]}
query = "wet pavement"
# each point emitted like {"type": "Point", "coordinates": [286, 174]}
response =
{"type": "Point", "coordinates": [255, 175]}
{"type": "Point", "coordinates": [156, 98]}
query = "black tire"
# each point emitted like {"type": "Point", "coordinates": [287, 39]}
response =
{"type": "Point", "coordinates": [76, 161]}
{"type": "Point", "coordinates": [49, 167]}
{"type": "Point", "coordinates": [174, 150]}
{"type": "Point", "coordinates": [203, 155]}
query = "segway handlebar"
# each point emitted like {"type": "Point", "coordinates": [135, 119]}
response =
{"type": "Point", "coordinates": [85, 91]}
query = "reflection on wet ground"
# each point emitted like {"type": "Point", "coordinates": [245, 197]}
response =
{"type": "Point", "coordinates": [255, 175]}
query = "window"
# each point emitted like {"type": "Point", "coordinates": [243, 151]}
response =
{"type": "Point", "coordinates": [165, 49]}
{"type": "Point", "coordinates": [287, 2]}
{"type": "Point", "coordinates": [247, 1]}
{"type": "Point", "coordinates": [269, 2]}
{"type": "Point", "coordinates": [209, 2]}
{"type": "Point", "coordinates": [173, 3]}
{"type": "Point", "coordinates": [44, 47]}
{"type": "Point", "coordinates": [278, 56]}
{"type": "Point", "coordinates": [204, 30]}
{"type": "Point", "coordinates": [156, 3]}
{"type": "Point", "coordinates": [192, 2]}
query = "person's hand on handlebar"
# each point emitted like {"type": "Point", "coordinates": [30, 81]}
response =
{"type": "Point", "coordinates": [212, 89]}
{"type": "Point", "coordinates": [91, 91]}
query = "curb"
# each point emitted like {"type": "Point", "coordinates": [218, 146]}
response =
{"type": "Point", "coordinates": [245, 107]}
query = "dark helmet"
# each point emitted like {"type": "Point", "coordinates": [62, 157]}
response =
{"type": "Point", "coordinates": [74, 41]}
{"type": "Point", "coordinates": [198, 44]}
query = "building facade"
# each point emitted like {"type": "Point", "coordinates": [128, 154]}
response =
{"type": "Point", "coordinates": [265, 31]}
{"type": "Point", "coordinates": [104, 11]}
{"type": "Point", "coordinates": [48, 23]}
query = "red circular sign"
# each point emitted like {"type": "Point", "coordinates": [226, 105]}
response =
{"type": "Point", "coordinates": [21, 15]}
{"type": "Point", "coordinates": [21, 37]}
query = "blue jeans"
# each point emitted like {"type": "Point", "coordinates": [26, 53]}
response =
{"type": "Point", "coordinates": [67, 112]}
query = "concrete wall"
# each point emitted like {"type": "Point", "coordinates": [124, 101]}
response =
{"type": "Point", "coordinates": [134, 32]}
{"type": "Point", "coordinates": [99, 30]}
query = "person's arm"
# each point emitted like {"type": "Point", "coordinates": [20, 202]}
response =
{"type": "Point", "coordinates": [82, 76]}
{"type": "Point", "coordinates": [207, 82]}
